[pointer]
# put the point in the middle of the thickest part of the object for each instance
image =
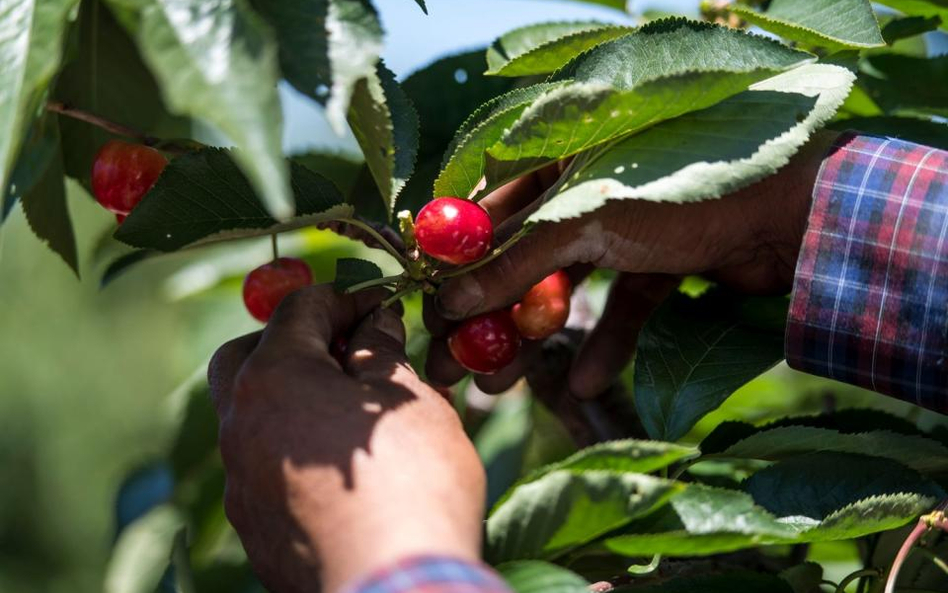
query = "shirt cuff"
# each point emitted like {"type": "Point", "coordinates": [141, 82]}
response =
{"type": "Point", "coordinates": [432, 574]}
{"type": "Point", "coordinates": [870, 297]}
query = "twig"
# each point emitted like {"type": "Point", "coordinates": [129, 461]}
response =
{"type": "Point", "coordinates": [401, 293]}
{"type": "Point", "coordinates": [374, 282]}
{"type": "Point", "coordinates": [378, 237]}
{"type": "Point", "coordinates": [866, 572]}
{"type": "Point", "coordinates": [119, 129]}
{"type": "Point", "coordinates": [487, 259]}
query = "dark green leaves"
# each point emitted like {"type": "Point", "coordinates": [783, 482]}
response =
{"type": "Point", "coordinates": [31, 46]}
{"type": "Point", "coordinates": [546, 47]}
{"type": "Point", "coordinates": [692, 354]}
{"type": "Point", "coordinates": [218, 62]}
{"type": "Point", "coordinates": [203, 197]}
{"type": "Point", "coordinates": [836, 24]}
{"type": "Point", "coordinates": [386, 125]}
{"type": "Point", "coordinates": [905, 84]}
{"type": "Point", "coordinates": [351, 272]}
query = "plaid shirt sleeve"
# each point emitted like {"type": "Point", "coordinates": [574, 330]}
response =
{"type": "Point", "coordinates": [870, 296]}
{"type": "Point", "coordinates": [432, 574]}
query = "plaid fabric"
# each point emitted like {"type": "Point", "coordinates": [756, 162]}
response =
{"type": "Point", "coordinates": [870, 297]}
{"type": "Point", "coordinates": [433, 574]}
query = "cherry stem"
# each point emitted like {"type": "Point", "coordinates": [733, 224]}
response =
{"type": "Point", "coordinates": [113, 127]}
{"type": "Point", "coordinates": [374, 282]}
{"type": "Point", "coordinates": [273, 244]}
{"type": "Point", "coordinates": [933, 520]}
{"type": "Point", "coordinates": [866, 572]}
{"type": "Point", "coordinates": [490, 257]}
{"type": "Point", "coordinates": [378, 237]}
{"type": "Point", "coordinates": [400, 294]}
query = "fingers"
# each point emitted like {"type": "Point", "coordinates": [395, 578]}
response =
{"type": "Point", "coordinates": [306, 321]}
{"type": "Point", "coordinates": [611, 344]}
{"type": "Point", "coordinates": [505, 279]}
{"type": "Point", "coordinates": [377, 349]}
{"type": "Point", "coordinates": [225, 365]}
{"type": "Point", "coordinates": [440, 367]}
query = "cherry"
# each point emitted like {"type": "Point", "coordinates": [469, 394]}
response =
{"type": "Point", "coordinates": [543, 310]}
{"type": "Point", "coordinates": [122, 174]}
{"type": "Point", "coordinates": [269, 284]}
{"type": "Point", "coordinates": [485, 343]}
{"type": "Point", "coordinates": [453, 230]}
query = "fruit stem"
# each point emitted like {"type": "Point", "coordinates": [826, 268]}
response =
{"type": "Point", "coordinates": [866, 572]}
{"type": "Point", "coordinates": [116, 128]}
{"type": "Point", "coordinates": [374, 282]}
{"type": "Point", "coordinates": [935, 519]}
{"type": "Point", "coordinates": [487, 259]}
{"type": "Point", "coordinates": [378, 237]}
{"type": "Point", "coordinates": [398, 295]}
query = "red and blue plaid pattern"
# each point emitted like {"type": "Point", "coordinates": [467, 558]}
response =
{"type": "Point", "coordinates": [433, 574]}
{"type": "Point", "coordinates": [870, 297]}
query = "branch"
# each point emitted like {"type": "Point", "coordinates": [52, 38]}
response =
{"type": "Point", "coordinates": [119, 129]}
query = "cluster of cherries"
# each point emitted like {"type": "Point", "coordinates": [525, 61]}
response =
{"type": "Point", "coordinates": [450, 230]}
{"type": "Point", "coordinates": [460, 232]}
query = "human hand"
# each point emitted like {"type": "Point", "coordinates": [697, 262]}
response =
{"type": "Point", "coordinates": [748, 241]}
{"type": "Point", "coordinates": [334, 472]}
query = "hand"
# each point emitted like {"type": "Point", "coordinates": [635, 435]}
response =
{"type": "Point", "coordinates": [748, 241]}
{"type": "Point", "coordinates": [333, 473]}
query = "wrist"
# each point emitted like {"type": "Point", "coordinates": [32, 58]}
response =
{"type": "Point", "coordinates": [785, 215]}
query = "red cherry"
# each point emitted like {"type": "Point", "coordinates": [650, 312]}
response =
{"type": "Point", "coordinates": [543, 310]}
{"type": "Point", "coordinates": [269, 284]}
{"type": "Point", "coordinates": [453, 230]}
{"type": "Point", "coordinates": [122, 174]}
{"type": "Point", "coordinates": [485, 343]}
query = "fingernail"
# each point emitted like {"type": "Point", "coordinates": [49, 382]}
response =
{"type": "Point", "coordinates": [389, 323]}
{"type": "Point", "coordinates": [459, 297]}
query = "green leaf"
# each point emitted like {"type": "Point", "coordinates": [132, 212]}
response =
{"type": "Point", "coordinates": [326, 46]}
{"type": "Point", "coordinates": [626, 456]}
{"type": "Point", "coordinates": [810, 488]}
{"type": "Point", "coordinates": [143, 551]}
{"type": "Point", "coordinates": [531, 576]}
{"type": "Point", "coordinates": [616, 91]}
{"type": "Point", "coordinates": [708, 153]}
{"type": "Point", "coordinates": [465, 159]}
{"type": "Point", "coordinates": [923, 8]}
{"type": "Point", "coordinates": [351, 271]}
{"type": "Point", "coordinates": [616, 4]}
{"type": "Point", "coordinates": [803, 578]}
{"type": "Point", "coordinates": [386, 126]}
{"type": "Point", "coordinates": [834, 24]}
{"type": "Point", "coordinates": [421, 3]}
{"type": "Point", "coordinates": [546, 47]}
{"type": "Point", "coordinates": [338, 167]}
{"type": "Point", "coordinates": [920, 131]}
{"type": "Point", "coordinates": [870, 515]}
{"type": "Point", "coordinates": [44, 203]}
{"type": "Point", "coordinates": [107, 76]}
{"type": "Point", "coordinates": [919, 453]}
{"type": "Point", "coordinates": [693, 354]}
{"type": "Point", "coordinates": [905, 28]}
{"type": "Point", "coordinates": [701, 520]}
{"type": "Point", "coordinates": [203, 197]}
{"type": "Point", "coordinates": [750, 582]}
{"type": "Point", "coordinates": [40, 150]}
{"type": "Point", "coordinates": [218, 62]}
{"type": "Point", "coordinates": [31, 46]}
{"type": "Point", "coordinates": [501, 443]}
{"type": "Point", "coordinates": [904, 84]}
{"type": "Point", "coordinates": [563, 509]}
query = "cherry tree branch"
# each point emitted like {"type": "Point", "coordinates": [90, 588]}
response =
{"type": "Point", "coordinates": [118, 129]}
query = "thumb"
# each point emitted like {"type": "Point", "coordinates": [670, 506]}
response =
{"type": "Point", "coordinates": [377, 348]}
{"type": "Point", "coordinates": [503, 280]}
